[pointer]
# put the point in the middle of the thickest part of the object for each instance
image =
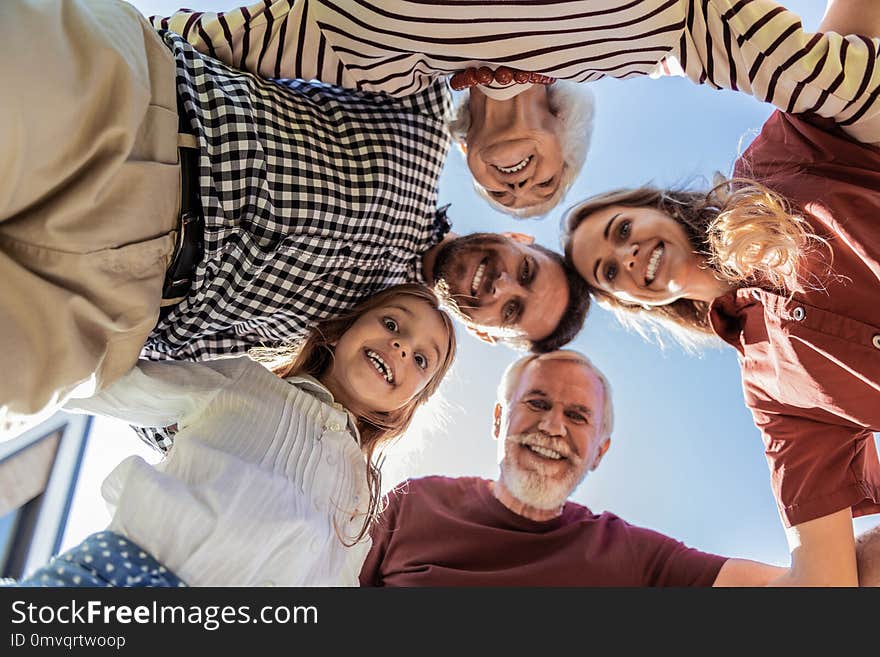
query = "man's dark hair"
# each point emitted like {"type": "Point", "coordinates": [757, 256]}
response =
{"type": "Point", "coordinates": [576, 309]}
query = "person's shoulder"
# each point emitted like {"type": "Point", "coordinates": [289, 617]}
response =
{"type": "Point", "coordinates": [434, 100]}
{"type": "Point", "coordinates": [438, 485]}
{"type": "Point", "coordinates": [435, 491]}
{"type": "Point", "coordinates": [770, 150]}
{"type": "Point", "coordinates": [793, 141]}
{"type": "Point", "coordinates": [606, 519]}
{"type": "Point", "coordinates": [232, 367]}
{"type": "Point", "coordinates": [639, 536]}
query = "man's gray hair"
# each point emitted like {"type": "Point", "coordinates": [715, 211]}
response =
{"type": "Point", "coordinates": [512, 374]}
{"type": "Point", "coordinates": [573, 105]}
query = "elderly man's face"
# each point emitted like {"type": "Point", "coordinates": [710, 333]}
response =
{"type": "Point", "coordinates": [500, 281]}
{"type": "Point", "coordinates": [553, 435]}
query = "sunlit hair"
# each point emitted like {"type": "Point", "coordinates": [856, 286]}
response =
{"type": "Point", "coordinates": [573, 105]}
{"type": "Point", "coordinates": [746, 233]}
{"type": "Point", "coordinates": [513, 373]}
{"type": "Point", "coordinates": [314, 356]}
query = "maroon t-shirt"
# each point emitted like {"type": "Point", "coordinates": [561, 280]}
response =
{"type": "Point", "coordinates": [440, 531]}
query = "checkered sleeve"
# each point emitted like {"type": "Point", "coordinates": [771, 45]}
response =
{"type": "Point", "coordinates": [205, 346]}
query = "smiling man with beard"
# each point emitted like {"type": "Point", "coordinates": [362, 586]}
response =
{"type": "Point", "coordinates": [553, 420]}
{"type": "Point", "coordinates": [506, 288]}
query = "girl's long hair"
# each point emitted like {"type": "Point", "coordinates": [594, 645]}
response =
{"type": "Point", "coordinates": [747, 234]}
{"type": "Point", "coordinates": [314, 356]}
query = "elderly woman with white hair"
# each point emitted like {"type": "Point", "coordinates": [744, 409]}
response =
{"type": "Point", "coordinates": [524, 152]}
{"type": "Point", "coordinates": [526, 141]}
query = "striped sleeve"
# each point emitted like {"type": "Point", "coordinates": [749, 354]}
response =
{"type": "Point", "coordinates": [397, 46]}
{"type": "Point", "coordinates": [760, 48]}
{"type": "Point", "coordinates": [271, 38]}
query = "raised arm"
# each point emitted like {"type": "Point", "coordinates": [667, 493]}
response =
{"type": "Point", "coordinates": [752, 46]}
{"type": "Point", "coordinates": [160, 394]}
{"type": "Point", "coordinates": [759, 47]}
{"type": "Point", "coordinates": [743, 572]}
{"type": "Point", "coordinates": [852, 17]}
{"type": "Point", "coordinates": [273, 39]}
{"type": "Point", "coordinates": [868, 557]}
{"type": "Point", "coordinates": [823, 552]}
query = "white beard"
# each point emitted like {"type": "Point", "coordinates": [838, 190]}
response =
{"type": "Point", "coordinates": [536, 486]}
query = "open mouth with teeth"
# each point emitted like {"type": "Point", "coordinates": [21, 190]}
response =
{"type": "Point", "coordinates": [519, 166]}
{"type": "Point", "coordinates": [477, 280]}
{"type": "Point", "coordinates": [383, 368]}
{"type": "Point", "coordinates": [545, 452]}
{"type": "Point", "coordinates": [654, 263]}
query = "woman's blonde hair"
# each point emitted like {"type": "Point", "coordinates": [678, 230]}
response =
{"type": "Point", "coordinates": [314, 355]}
{"type": "Point", "coordinates": [746, 232]}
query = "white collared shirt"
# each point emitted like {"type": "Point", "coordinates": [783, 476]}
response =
{"type": "Point", "coordinates": [262, 473]}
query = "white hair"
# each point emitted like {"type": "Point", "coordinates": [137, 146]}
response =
{"type": "Point", "coordinates": [573, 105]}
{"type": "Point", "coordinates": [512, 374]}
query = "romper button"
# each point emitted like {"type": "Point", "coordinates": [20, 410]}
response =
{"type": "Point", "coordinates": [799, 313]}
{"type": "Point", "coordinates": [876, 341]}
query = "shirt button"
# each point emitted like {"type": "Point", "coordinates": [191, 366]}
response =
{"type": "Point", "coordinates": [876, 341]}
{"type": "Point", "coordinates": [799, 313]}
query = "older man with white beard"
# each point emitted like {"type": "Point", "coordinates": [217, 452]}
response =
{"type": "Point", "coordinates": [553, 419]}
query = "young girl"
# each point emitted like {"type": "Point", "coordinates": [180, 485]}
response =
{"type": "Point", "coordinates": [783, 264]}
{"type": "Point", "coordinates": [272, 480]}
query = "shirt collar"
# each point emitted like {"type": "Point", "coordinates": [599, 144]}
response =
{"type": "Point", "coordinates": [311, 385]}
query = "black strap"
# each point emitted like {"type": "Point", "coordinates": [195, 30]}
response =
{"type": "Point", "coordinates": [189, 250]}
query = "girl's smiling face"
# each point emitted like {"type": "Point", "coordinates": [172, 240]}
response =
{"type": "Point", "coordinates": [388, 356]}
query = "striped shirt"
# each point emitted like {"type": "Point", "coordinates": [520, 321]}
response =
{"type": "Point", "coordinates": [398, 46]}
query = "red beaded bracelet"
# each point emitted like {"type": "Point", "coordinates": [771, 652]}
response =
{"type": "Point", "coordinates": [471, 77]}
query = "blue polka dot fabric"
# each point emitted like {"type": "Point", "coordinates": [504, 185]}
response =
{"type": "Point", "coordinates": [104, 559]}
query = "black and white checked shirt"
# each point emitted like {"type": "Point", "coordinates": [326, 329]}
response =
{"type": "Point", "coordinates": [314, 197]}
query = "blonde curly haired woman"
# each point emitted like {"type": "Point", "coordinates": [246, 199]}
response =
{"type": "Point", "coordinates": [782, 263]}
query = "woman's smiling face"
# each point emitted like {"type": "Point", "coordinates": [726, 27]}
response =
{"type": "Point", "coordinates": [640, 256]}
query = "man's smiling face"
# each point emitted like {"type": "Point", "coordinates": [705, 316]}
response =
{"type": "Point", "coordinates": [553, 431]}
{"type": "Point", "coordinates": [501, 281]}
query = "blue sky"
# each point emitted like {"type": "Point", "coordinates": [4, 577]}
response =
{"type": "Point", "coordinates": [685, 457]}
